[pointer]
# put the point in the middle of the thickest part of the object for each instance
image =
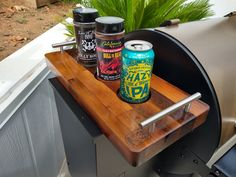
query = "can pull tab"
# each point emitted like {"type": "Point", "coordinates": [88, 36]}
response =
{"type": "Point", "coordinates": [137, 46]}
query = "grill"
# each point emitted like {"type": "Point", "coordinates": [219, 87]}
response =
{"type": "Point", "coordinates": [198, 57]}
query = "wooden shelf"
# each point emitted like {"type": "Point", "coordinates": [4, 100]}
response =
{"type": "Point", "coordinates": [118, 120]}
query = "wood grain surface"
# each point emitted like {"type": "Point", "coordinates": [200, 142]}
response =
{"type": "Point", "coordinates": [118, 120]}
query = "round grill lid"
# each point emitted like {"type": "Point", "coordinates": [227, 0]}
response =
{"type": "Point", "coordinates": [176, 64]}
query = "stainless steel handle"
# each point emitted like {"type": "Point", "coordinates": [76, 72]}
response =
{"type": "Point", "coordinates": [62, 44]}
{"type": "Point", "coordinates": [186, 102]}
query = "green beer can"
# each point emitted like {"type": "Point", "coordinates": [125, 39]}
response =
{"type": "Point", "coordinates": [136, 71]}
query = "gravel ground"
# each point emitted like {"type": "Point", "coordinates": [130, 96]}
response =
{"type": "Point", "coordinates": [21, 24]}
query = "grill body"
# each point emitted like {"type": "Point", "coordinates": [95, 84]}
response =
{"type": "Point", "coordinates": [198, 57]}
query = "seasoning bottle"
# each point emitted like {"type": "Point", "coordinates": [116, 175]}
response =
{"type": "Point", "coordinates": [84, 26]}
{"type": "Point", "coordinates": [110, 41]}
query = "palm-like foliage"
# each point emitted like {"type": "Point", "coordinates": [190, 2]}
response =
{"type": "Point", "coordinates": [151, 13]}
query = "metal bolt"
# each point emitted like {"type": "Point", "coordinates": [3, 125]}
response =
{"type": "Point", "coordinates": [195, 161]}
{"type": "Point", "coordinates": [217, 173]}
{"type": "Point", "coordinates": [181, 156]}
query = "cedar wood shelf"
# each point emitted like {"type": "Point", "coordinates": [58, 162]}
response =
{"type": "Point", "coordinates": [118, 120]}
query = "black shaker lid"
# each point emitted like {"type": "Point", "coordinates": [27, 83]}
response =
{"type": "Point", "coordinates": [109, 24]}
{"type": "Point", "coordinates": [85, 15]}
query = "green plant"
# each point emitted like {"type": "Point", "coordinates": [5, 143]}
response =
{"type": "Point", "coordinates": [83, 2]}
{"type": "Point", "coordinates": [72, 1]}
{"type": "Point", "coordinates": [152, 13]}
{"type": "Point", "coordinates": [70, 29]}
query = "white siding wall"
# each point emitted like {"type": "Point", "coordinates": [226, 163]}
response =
{"type": "Point", "coordinates": [223, 7]}
{"type": "Point", "coordinates": [30, 142]}
{"type": "Point", "coordinates": [30, 137]}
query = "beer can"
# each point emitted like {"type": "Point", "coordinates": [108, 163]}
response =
{"type": "Point", "coordinates": [136, 71]}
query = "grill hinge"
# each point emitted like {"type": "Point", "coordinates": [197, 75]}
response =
{"type": "Point", "coordinates": [231, 14]}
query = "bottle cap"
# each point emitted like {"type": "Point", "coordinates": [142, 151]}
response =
{"type": "Point", "coordinates": [109, 24]}
{"type": "Point", "coordinates": [85, 15]}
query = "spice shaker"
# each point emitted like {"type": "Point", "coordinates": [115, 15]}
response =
{"type": "Point", "coordinates": [110, 41]}
{"type": "Point", "coordinates": [84, 26]}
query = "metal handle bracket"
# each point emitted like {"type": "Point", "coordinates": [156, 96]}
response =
{"type": "Point", "coordinates": [62, 44]}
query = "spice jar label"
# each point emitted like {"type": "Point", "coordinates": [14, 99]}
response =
{"type": "Point", "coordinates": [87, 47]}
{"type": "Point", "coordinates": [109, 58]}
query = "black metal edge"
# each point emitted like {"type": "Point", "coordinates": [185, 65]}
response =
{"type": "Point", "coordinates": [88, 123]}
